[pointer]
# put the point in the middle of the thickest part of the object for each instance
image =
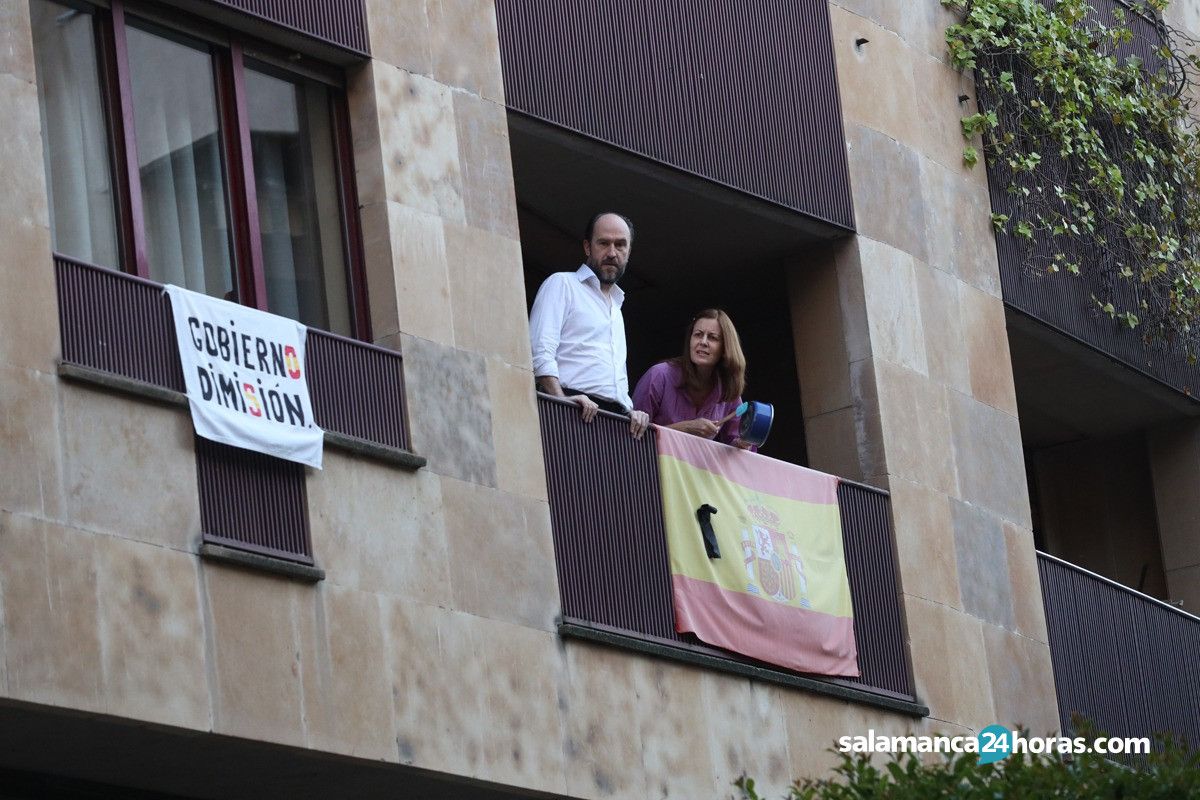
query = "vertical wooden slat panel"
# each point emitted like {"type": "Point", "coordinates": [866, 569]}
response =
{"type": "Point", "coordinates": [338, 22]}
{"type": "Point", "coordinates": [1066, 302]}
{"type": "Point", "coordinates": [744, 94]}
{"type": "Point", "coordinates": [252, 501]}
{"type": "Point", "coordinates": [121, 324]}
{"type": "Point", "coordinates": [1122, 660]}
{"type": "Point", "coordinates": [357, 389]}
{"type": "Point", "coordinates": [117, 323]}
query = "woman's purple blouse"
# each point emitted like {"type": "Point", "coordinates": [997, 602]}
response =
{"type": "Point", "coordinates": [659, 395]}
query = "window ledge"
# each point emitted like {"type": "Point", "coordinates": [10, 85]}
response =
{"type": "Point", "coordinates": [263, 563]}
{"type": "Point", "coordinates": [404, 459]}
{"type": "Point", "coordinates": [121, 383]}
{"type": "Point", "coordinates": [398, 457]}
{"type": "Point", "coordinates": [575, 630]}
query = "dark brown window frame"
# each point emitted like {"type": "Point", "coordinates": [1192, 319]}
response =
{"type": "Point", "coordinates": [229, 50]}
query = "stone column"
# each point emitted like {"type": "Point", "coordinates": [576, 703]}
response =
{"type": "Point", "coordinates": [906, 376]}
{"type": "Point", "coordinates": [1175, 466]}
{"type": "Point", "coordinates": [29, 345]}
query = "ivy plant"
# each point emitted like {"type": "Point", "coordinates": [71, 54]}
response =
{"type": "Point", "coordinates": [1170, 772]}
{"type": "Point", "coordinates": [1088, 131]}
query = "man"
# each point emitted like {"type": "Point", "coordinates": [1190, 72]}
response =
{"type": "Point", "coordinates": [576, 328]}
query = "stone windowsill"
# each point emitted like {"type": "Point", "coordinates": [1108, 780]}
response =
{"type": "Point", "coordinates": [262, 563]}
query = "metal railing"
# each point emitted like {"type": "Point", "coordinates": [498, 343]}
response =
{"type": "Point", "coordinates": [121, 325]}
{"type": "Point", "coordinates": [611, 554]}
{"type": "Point", "coordinates": [342, 23]}
{"type": "Point", "coordinates": [759, 112]}
{"type": "Point", "coordinates": [1127, 663]}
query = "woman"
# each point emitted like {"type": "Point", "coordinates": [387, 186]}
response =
{"type": "Point", "coordinates": [696, 391]}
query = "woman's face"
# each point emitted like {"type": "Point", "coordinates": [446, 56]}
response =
{"type": "Point", "coordinates": [705, 348]}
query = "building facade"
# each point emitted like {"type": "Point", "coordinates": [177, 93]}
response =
{"type": "Point", "coordinates": [437, 612]}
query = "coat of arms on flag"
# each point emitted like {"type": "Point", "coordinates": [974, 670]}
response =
{"type": "Point", "coordinates": [778, 592]}
{"type": "Point", "coordinates": [774, 567]}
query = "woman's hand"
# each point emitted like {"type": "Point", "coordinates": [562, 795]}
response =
{"type": "Point", "coordinates": [704, 428]}
{"type": "Point", "coordinates": [638, 422]}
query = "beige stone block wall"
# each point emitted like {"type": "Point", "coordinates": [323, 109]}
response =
{"type": "Point", "coordinates": [443, 253]}
{"type": "Point", "coordinates": [128, 468]}
{"type": "Point", "coordinates": [104, 604]}
{"type": "Point", "coordinates": [52, 651]}
{"type": "Point", "coordinates": [902, 351]}
{"type": "Point", "coordinates": [431, 642]}
{"type": "Point", "coordinates": [152, 634]}
{"type": "Point", "coordinates": [32, 478]}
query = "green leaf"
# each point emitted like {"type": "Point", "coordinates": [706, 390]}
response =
{"type": "Point", "coordinates": [1093, 150]}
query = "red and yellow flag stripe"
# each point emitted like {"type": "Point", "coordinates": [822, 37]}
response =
{"type": "Point", "coordinates": [779, 591]}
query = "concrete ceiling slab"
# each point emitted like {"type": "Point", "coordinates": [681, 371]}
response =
{"type": "Point", "coordinates": [1067, 391]}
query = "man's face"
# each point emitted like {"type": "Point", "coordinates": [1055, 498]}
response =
{"type": "Point", "coordinates": [608, 251]}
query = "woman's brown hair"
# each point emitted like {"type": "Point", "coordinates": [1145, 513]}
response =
{"type": "Point", "coordinates": [732, 368]}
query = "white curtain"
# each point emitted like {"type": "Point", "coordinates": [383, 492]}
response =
{"type": "Point", "coordinates": [298, 212]}
{"type": "Point", "coordinates": [74, 137]}
{"type": "Point", "coordinates": [179, 159]}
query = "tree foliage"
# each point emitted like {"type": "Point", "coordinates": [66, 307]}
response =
{"type": "Point", "coordinates": [1171, 772]}
{"type": "Point", "coordinates": [1095, 147]}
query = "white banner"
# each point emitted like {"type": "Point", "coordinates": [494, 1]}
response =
{"type": "Point", "coordinates": [244, 371]}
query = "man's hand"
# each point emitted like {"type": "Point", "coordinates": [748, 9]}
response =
{"type": "Point", "coordinates": [587, 408]}
{"type": "Point", "coordinates": [638, 422]}
{"type": "Point", "coordinates": [704, 428]}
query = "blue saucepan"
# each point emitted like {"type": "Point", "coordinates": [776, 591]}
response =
{"type": "Point", "coordinates": [755, 422]}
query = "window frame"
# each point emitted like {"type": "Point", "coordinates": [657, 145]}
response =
{"type": "Point", "coordinates": [229, 50]}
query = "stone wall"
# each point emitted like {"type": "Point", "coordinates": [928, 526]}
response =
{"type": "Point", "coordinates": [906, 378]}
{"type": "Point", "coordinates": [431, 642]}
{"type": "Point", "coordinates": [1174, 452]}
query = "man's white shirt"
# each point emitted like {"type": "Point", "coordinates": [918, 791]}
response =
{"type": "Point", "coordinates": [578, 335]}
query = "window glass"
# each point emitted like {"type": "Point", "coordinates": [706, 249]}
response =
{"type": "Point", "coordinates": [188, 240]}
{"type": "Point", "coordinates": [180, 120]}
{"type": "Point", "coordinates": [298, 209]}
{"type": "Point", "coordinates": [74, 139]}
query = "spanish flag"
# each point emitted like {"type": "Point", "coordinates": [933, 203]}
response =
{"type": "Point", "coordinates": [777, 590]}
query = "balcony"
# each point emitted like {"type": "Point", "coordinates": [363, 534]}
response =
{"type": "Point", "coordinates": [610, 548]}
{"type": "Point", "coordinates": [1063, 302]}
{"type": "Point", "coordinates": [1124, 661]}
{"type": "Point", "coordinates": [117, 332]}
{"type": "Point", "coordinates": [681, 90]}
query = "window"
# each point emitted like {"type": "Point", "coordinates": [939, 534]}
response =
{"type": "Point", "coordinates": [74, 137]}
{"type": "Point", "coordinates": [189, 156]}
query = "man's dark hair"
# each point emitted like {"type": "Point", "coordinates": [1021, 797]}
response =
{"type": "Point", "coordinates": [587, 232]}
